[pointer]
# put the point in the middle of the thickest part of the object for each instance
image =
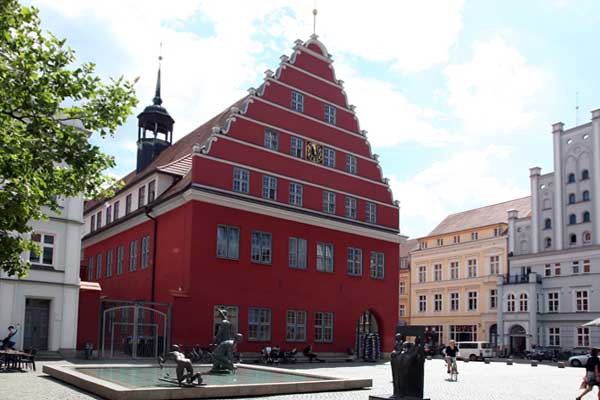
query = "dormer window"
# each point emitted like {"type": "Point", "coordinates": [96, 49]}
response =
{"type": "Point", "coordinates": [151, 191]}
{"type": "Point", "coordinates": [571, 178]}
{"type": "Point", "coordinates": [474, 235]}
{"type": "Point", "coordinates": [128, 204]}
{"type": "Point", "coordinates": [141, 196]}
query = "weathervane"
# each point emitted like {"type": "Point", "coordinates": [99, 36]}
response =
{"type": "Point", "coordinates": [315, 19]}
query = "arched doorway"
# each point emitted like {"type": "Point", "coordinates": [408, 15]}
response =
{"type": "Point", "coordinates": [494, 335]}
{"type": "Point", "coordinates": [367, 335]}
{"type": "Point", "coordinates": [518, 337]}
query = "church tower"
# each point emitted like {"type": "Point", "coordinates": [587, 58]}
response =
{"type": "Point", "coordinates": [155, 129]}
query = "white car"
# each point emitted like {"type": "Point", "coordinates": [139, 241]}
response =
{"type": "Point", "coordinates": [578, 361]}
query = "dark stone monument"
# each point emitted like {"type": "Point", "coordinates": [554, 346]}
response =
{"type": "Point", "coordinates": [408, 365]}
{"type": "Point", "coordinates": [226, 342]}
{"type": "Point", "coordinates": [185, 371]}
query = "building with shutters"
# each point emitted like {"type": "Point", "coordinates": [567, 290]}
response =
{"type": "Point", "coordinates": [276, 209]}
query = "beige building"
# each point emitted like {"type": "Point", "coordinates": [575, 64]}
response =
{"type": "Point", "coordinates": [404, 282]}
{"type": "Point", "coordinates": [453, 273]}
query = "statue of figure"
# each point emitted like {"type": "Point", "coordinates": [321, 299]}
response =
{"type": "Point", "coordinates": [223, 355]}
{"type": "Point", "coordinates": [225, 329]}
{"type": "Point", "coordinates": [408, 369]}
{"type": "Point", "coordinates": [395, 363]}
{"type": "Point", "coordinates": [186, 378]}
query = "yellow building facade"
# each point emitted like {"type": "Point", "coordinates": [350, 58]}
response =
{"type": "Point", "coordinates": [453, 274]}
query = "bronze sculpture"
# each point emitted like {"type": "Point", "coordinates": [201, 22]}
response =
{"type": "Point", "coordinates": [226, 342]}
{"type": "Point", "coordinates": [185, 371]}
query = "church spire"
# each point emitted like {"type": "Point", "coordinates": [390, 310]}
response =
{"type": "Point", "coordinates": [157, 100]}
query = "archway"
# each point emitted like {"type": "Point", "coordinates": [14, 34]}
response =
{"type": "Point", "coordinates": [367, 335]}
{"type": "Point", "coordinates": [494, 335]}
{"type": "Point", "coordinates": [518, 337]}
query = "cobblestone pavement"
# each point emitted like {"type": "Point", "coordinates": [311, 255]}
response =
{"type": "Point", "coordinates": [476, 381]}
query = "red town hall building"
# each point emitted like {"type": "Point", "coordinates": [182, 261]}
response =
{"type": "Point", "coordinates": [276, 209]}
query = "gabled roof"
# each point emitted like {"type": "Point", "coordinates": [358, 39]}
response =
{"type": "Point", "coordinates": [483, 216]}
{"type": "Point", "coordinates": [409, 246]}
{"type": "Point", "coordinates": [175, 159]}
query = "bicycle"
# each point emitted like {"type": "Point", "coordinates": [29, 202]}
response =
{"type": "Point", "coordinates": [452, 368]}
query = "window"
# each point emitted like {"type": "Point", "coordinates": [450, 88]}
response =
{"type": "Point", "coordinates": [45, 256]}
{"type": "Point", "coordinates": [581, 301]}
{"type": "Point", "coordinates": [463, 333]}
{"type": "Point", "coordinates": [523, 303]}
{"type": "Point", "coordinates": [547, 204]}
{"type": "Point", "coordinates": [572, 219]}
{"type": "Point", "coordinates": [472, 298]}
{"type": "Point", "coordinates": [232, 316]}
{"type": "Point", "coordinates": [422, 303]}
{"type": "Point", "coordinates": [259, 324]}
{"type": "Point", "coordinates": [510, 303]}
{"type": "Point", "coordinates": [454, 269]}
{"type": "Point", "coordinates": [583, 337]}
{"type": "Point", "coordinates": [402, 310]}
{"type": "Point", "coordinates": [456, 239]}
{"type": "Point", "coordinates": [494, 265]}
{"type": "Point", "coordinates": [120, 257]}
{"type": "Point", "coordinates": [422, 274]}
{"type": "Point", "coordinates": [141, 196]}
{"type": "Point", "coordinates": [553, 305]}
{"type": "Point", "coordinates": [297, 101]}
{"type": "Point", "coordinates": [241, 180]}
{"type": "Point", "coordinates": [423, 245]}
{"type": "Point", "coordinates": [108, 215]}
{"type": "Point", "coordinates": [572, 198]}
{"type": "Point", "coordinates": [295, 326]}
{"type": "Point", "coordinates": [90, 270]}
{"type": "Point", "coordinates": [575, 266]}
{"type": "Point", "coordinates": [571, 178]}
{"type": "Point", "coordinates": [371, 212]}
{"type": "Point", "coordinates": [474, 235]}
{"type": "Point", "coordinates": [547, 270]}
{"type": "Point", "coordinates": [297, 147]}
{"type": "Point", "coordinates": [99, 220]}
{"type": "Point", "coordinates": [440, 242]}
{"type": "Point", "coordinates": [437, 272]}
{"type": "Point", "coordinates": [324, 327]}
{"type": "Point", "coordinates": [585, 196]}
{"type": "Point", "coordinates": [493, 299]}
{"type": "Point", "coordinates": [330, 114]}
{"type": "Point", "coordinates": [586, 216]}
{"type": "Point", "coordinates": [350, 164]}
{"type": "Point", "coordinates": [437, 302]}
{"type": "Point", "coordinates": [145, 252]}
{"type": "Point", "coordinates": [377, 265]}
{"type": "Point", "coordinates": [324, 257]}
{"type": "Point", "coordinates": [329, 202]}
{"type": "Point", "coordinates": [98, 265]}
{"type": "Point", "coordinates": [128, 204]}
{"type": "Point", "coordinates": [261, 247]}
{"type": "Point", "coordinates": [133, 255]}
{"type": "Point", "coordinates": [557, 269]}
{"type": "Point", "coordinates": [151, 191]}
{"type": "Point", "coordinates": [271, 140]}
{"type": "Point", "coordinates": [454, 301]}
{"type": "Point", "coordinates": [497, 232]}
{"type": "Point", "coordinates": [269, 188]}
{"type": "Point", "coordinates": [472, 268]}
{"type": "Point", "coordinates": [116, 211]}
{"type": "Point", "coordinates": [109, 263]}
{"type": "Point", "coordinates": [573, 239]}
{"type": "Point", "coordinates": [354, 261]}
{"type": "Point", "coordinates": [228, 242]}
{"type": "Point", "coordinates": [296, 196]}
{"type": "Point", "coordinates": [350, 207]}
{"type": "Point", "coordinates": [92, 223]}
{"type": "Point", "coordinates": [329, 157]}
{"type": "Point", "coordinates": [402, 287]}
{"type": "Point", "coordinates": [554, 336]}
{"type": "Point", "coordinates": [547, 243]}
{"type": "Point", "coordinates": [297, 253]}
{"type": "Point", "coordinates": [586, 266]}
{"type": "Point", "coordinates": [585, 174]}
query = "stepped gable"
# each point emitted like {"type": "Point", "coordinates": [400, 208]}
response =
{"type": "Point", "coordinates": [483, 216]}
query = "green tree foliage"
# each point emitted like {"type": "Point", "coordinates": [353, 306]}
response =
{"type": "Point", "coordinates": [49, 105]}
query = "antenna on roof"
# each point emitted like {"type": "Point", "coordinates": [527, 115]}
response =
{"type": "Point", "coordinates": [315, 19]}
{"type": "Point", "coordinates": [576, 108]}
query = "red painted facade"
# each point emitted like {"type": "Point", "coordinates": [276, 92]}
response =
{"type": "Point", "coordinates": [189, 274]}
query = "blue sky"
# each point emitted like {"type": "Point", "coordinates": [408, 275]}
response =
{"type": "Point", "coordinates": [457, 96]}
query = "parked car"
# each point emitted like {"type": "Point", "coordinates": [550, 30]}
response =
{"type": "Point", "coordinates": [543, 353]}
{"type": "Point", "coordinates": [475, 350]}
{"type": "Point", "coordinates": [579, 360]}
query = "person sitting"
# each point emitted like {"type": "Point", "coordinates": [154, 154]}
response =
{"type": "Point", "coordinates": [275, 354]}
{"type": "Point", "coordinates": [10, 340]}
{"type": "Point", "coordinates": [267, 355]}
{"type": "Point", "coordinates": [308, 352]}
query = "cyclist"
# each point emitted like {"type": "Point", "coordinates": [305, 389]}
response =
{"type": "Point", "coordinates": [450, 353]}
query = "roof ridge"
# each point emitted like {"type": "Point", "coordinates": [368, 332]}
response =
{"type": "Point", "coordinates": [489, 205]}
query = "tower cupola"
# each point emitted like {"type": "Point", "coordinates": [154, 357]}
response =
{"type": "Point", "coordinates": [155, 129]}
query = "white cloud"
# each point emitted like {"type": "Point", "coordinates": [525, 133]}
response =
{"type": "Point", "coordinates": [465, 180]}
{"type": "Point", "coordinates": [497, 91]}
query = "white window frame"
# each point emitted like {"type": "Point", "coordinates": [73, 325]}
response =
{"type": "Point", "coordinates": [553, 301]}
{"type": "Point", "coordinates": [109, 262]}
{"type": "Point", "coordinates": [328, 202]}
{"type": "Point", "coordinates": [437, 272]}
{"type": "Point", "coordinates": [141, 196]}
{"type": "Point", "coordinates": [325, 257]}
{"type": "Point", "coordinates": [269, 187]}
{"type": "Point", "coordinates": [582, 336]}
{"type": "Point", "coordinates": [328, 157]}
{"type": "Point", "coordinates": [297, 253]}
{"type": "Point", "coordinates": [377, 265]}
{"type": "Point", "coordinates": [472, 268]}
{"type": "Point", "coordinates": [145, 258]}
{"type": "Point", "coordinates": [120, 259]}
{"type": "Point", "coordinates": [455, 301]}
{"type": "Point", "coordinates": [297, 101]}
{"type": "Point", "coordinates": [324, 327]}
{"type": "Point", "coordinates": [354, 261]}
{"type": "Point", "coordinates": [494, 264]}
{"type": "Point", "coordinates": [38, 259]}
{"type": "Point", "coordinates": [371, 212]}
{"type": "Point", "coordinates": [329, 114]}
{"type": "Point", "coordinates": [241, 180]}
{"type": "Point", "coordinates": [295, 326]}
{"type": "Point", "coordinates": [402, 310]}
{"type": "Point", "coordinates": [422, 271]}
{"type": "Point", "coordinates": [133, 255]}
{"type": "Point", "coordinates": [472, 300]}
{"type": "Point", "coordinates": [523, 302]}
{"type": "Point", "coordinates": [350, 203]}
{"type": "Point", "coordinates": [493, 299]}
{"type": "Point", "coordinates": [554, 336]}
{"type": "Point", "coordinates": [511, 303]}
{"type": "Point", "coordinates": [422, 303]}
{"type": "Point", "coordinates": [259, 318]}
{"type": "Point", "coordinates": [474, 235]}
{"type": "Point", "coordinates": [297, 147]}
{"type": "Point", "coordinates": [90, 272]}
{"type": "Point", "coordinates": [151, 191]}
{"type": "Point", "coordinates": [261, 248]}
{"type": "Point", "coordinates": [99, 266]}
{"type": "Point", "coordinates": [438, 302]}
{"type": "Point", "coordinates": [402, 287]}
{"type": "Point", "coordinates": [584, 305]}
{"type": "Point", "coordinates": [351, 164]}
{"type": "Point", "coordinates": [296, 194]}
{"type": "Point", "coordinates": [228, 242]}
{"type": "Point", "coordinates": [454, 270]}
{"type": "Point", "coordinates": [271, 139]}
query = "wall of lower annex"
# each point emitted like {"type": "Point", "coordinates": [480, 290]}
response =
{"type": "Point", "coordinates": [278, 287]}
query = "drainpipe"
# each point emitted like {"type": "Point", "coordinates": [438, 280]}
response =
{"type": "Point", "coordinates": [148, 210]}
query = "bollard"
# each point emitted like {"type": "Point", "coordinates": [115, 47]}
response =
{"type": "Point", "coordinates": [486, 360]}
{"type": "Point", "coordinates": [561, 364]}
{"type": "Point", "coordinates": [429, 358]}
{"type": "Point", "coordinates": [509, 361]}
{"type": "Point", "coordinates": [534, 363]}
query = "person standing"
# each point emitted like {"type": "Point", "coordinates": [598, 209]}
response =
{"type": "Point", "coordinates": [592, 374]}
{"type": "Point", "coordinates": [10, 340]}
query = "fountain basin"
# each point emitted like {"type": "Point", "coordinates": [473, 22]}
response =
{"type": "Point", "coordinates": [141, 382]}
